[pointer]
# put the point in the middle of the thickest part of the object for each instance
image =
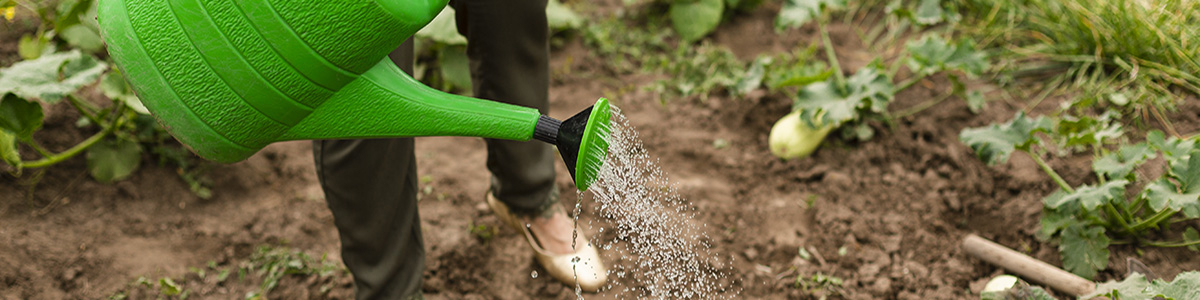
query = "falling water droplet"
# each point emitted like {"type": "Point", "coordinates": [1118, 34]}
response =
{"type": "Point", "coordinates": [534, 274]}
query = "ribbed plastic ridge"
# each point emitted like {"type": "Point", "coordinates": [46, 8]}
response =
{"type": "Point", "coordinates": [546, 129]}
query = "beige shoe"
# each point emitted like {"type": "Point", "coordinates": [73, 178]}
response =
{"type": "Point", "coordinates": [591, 272]}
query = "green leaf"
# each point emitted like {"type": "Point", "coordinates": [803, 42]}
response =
{"type": "Point", "coordinates": [796, 13]}
{"type": "Point", "coordinates": [114, 86]}
{"type": "Point", "coordinates": [168, 287]}
{"type": "Point", "coordinates": [1089, 198]}
{"type": "Point", "coordinates": [1055, 220]}
{"type": "Point", "coordinates": [20, 117]}
{"type": "Point", "coordinates": [1084, 250]}
{"type": "Point", "coordinates": [825, 103]}
{"type": "Point", "coordinates": [975, 102]}
{"type": "Point", "coordinates": [993, 144]}
{"type": "Point", "coordinates": [1120, 164]}
{"type": "Point", "coordinates": [930, 12]}
{"type": "Point", "coordinates": [1182, 194]}
{"type": "Point", "coordinates": [1191, 236]}
{"type": "Point", "coordinates": [455, 66]}
{"type": "Point", "coordinates": [82, 37]}
{"type": "Point", "coordinates": [694, 19]}
{"type": "Point", "coordinates": [1085, 131]}
{"type": "Point", "coordinates": [8, 150]}
{"type": "Point", "coordinates": [1186, 285]}
{"type": "Point", "coordinates": [69, 12]}
{"type": "Point", "coordinates": [114, 159]}
{"type": "Point", "coordinates": [932, 54]}
{"type": "Point", "coordinates": [51, 77]}
{"type": "Point", "coordinates": [443, 29]}
{"type": "Point", "coordinates": [804, 71]}
{"type": "Point", "coordinates": [1133, 287]}
{"type": "Point", "coordinates": [753, 77]}
{"type": "Point", "coordinates": [31, 47]}
{"type": "Point", "coordinates": [560, 17]}
{"type": "Point", "coordinates": [1173, 149]}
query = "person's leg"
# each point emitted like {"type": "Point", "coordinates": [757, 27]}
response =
{"type": "Point", "coordinates": [507, 43]}
{"type": "Point", "coordinates": [371, 188]}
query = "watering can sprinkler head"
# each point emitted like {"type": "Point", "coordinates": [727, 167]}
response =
{"type": "Point", "coordinates": [582, 141]}
{"type": "Point", "coordinates": [227, 78]}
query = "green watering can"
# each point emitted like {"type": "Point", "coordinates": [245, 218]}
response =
{"type": "Point", "coordinates": [228, 77]}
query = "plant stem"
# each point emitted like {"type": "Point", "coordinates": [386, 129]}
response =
{"type": "Point", "coordinates": [833, 61]}
{"type": "Point", "coordinates": [78, 148]}
{"type": "Point", "coordinates": [1171, 245]}
{"type": "Point", "coordinates": [1120, 218]}
{"type": "Point", "coordinates": [57, 158]}
{"type": "Point", "coordinates": [1154, 220]}
{"type": "Point", "coordinates": [921, 107]}
{"type": "Point", "coordinates": [87, 113]}
{"type": "Point", "coordinates": [909, 82]}
{"type": "Point", "coordinates": [1053, 175]}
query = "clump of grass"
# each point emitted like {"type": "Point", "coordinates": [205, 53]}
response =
{"type": "Point", "coordinates": [1152, 46]}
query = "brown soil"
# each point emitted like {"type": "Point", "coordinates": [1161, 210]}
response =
{"type": "Point", "coordinates": [886, 216]}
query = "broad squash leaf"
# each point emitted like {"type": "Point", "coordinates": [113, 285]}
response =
{"type": "Point", "coordinates": [1089, 198]}
{"type": "Point", "coordinates": [1185, 286]}
{"type": "Point", "coordinates": [1055, 220]}
{"type": "Point", "coordinates": [1173, 149]}
{"type": "Point", "coordinates": [443, 29]}
{"type": "Point", "coordinates": [866, 90]}
{"type": "Point", "coordinates": [20, 117]}
{"type": "Point", "coordinates": [1120, 164]}
{"type": "Point", "coordinates": [1133, 287]}
{"type": "Point", "coordinates": [51, 77]}
{"type": "Point", "coordinates": [975, 101]}
{"type": "Point", "coordinates": [1086, 131]}
{"type": "Point", "coordinates": [932, 54]}
{"type": "Point", "coordinates": [694, 19]}
{"type": "Point", "coordinates": [113, 159]}
{"type": "Point", "coordinates": [1084, 250]}
{"type": "Point", "coordinates": [796, 13]}
{"type": "Point", "coordinates": [993, 144]}
{"type": "Point", "coordinates": [1182, 194]}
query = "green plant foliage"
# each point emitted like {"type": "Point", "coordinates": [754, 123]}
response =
{"type": "Point", "coordinates": [34, 46]}
{"type": "Point", "coordinates": [168, 287]}
{"type": "Point", "coordinates": [1088, 197]}
{"type": "Point", "coordinates": [694, 19]}
{"type": "Point", "coordinates": [560, 18]}
{"type": "Point", "coordinates": [993, 144]}
{"type": "Point", "coordinates": [796, 13]}
{"type": "Point", "coordinates": [1086, 131]}
{"type": "Point", "coordinates": [1186, 285]}
{"type": "Point", "coordinates": [1120, 164]}
{"type": "Point", "coordinates": [1179, 190]}
{"type": "Point", "coordinates": [932, 54]}
{"type": "Point", "coordinates": [798, 70]}
{"type": "Point", "coordinates": [114, 86]}
{"type": "Point", "coordinates": [19, 117]}
{"type": "Point", "coordinates": [1084, 250]}
{"type": "Point", "coordinates": [113, 160]}
{"type": "Point", "coordinates": [867, 92]}
{"type": "Point", "coordinates": [8, 150]}
{"type": "Point", "coordinates": [49, 78]}
{"type": "Point", "coordinates": [700, 71]}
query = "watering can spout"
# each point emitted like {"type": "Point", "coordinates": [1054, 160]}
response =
{"type": "Point", "coordinates": [228, 77]}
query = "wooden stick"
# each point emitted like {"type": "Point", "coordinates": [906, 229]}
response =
{"type": "Point", "coordinates": [1027, 267]}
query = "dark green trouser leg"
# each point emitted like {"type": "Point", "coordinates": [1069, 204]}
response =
{"type": "Point", "coordinates": [507, 43]}
{"type": "Point", "coordinates": [371, 186]}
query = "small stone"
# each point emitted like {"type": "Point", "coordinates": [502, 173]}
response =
{"type": "Point", "coordinates": [750, 253]}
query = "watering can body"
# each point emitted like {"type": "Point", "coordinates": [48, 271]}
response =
{"type": "Point", "coordinates": [228, 77]}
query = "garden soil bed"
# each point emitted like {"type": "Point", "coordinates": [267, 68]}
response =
{"type": "Point", "coordinates": [897, 206]}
